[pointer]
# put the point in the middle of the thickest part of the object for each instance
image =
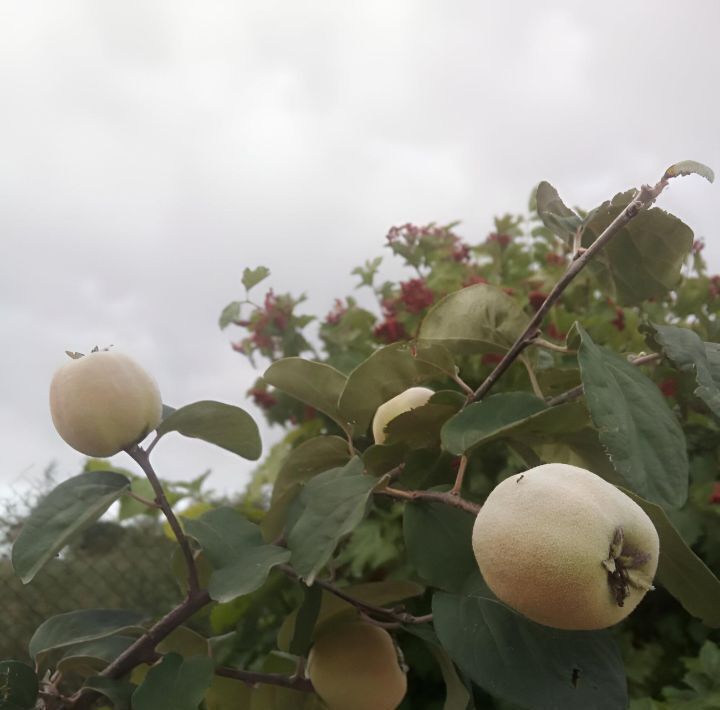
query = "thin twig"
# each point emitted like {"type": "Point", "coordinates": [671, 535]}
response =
{"type": "Point", "coordinates": [644, 198]}
{"type": "Point", "coordinates": [576, 392]}
{"type": "Point", "coordinates": [144, 501]}
{"type": "Point", "coordinates": [455, 490]}
{"type": "Point", "coordinates": [143, 460]}
{"type": "Point", "coordinates": [252, 678]}
{"type": "Point", "coordinates": [554, 347]}
{"type": "Point", "coordinates": [143, 649]}
{"type": "Point", "coordinates": [435, 496]}
{"type": "Point", "coordinates": [392, 614]}
{"type": "Point", "coordinates": [534, 383]}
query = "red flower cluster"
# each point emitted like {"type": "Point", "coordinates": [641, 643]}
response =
{"type": "Point", "coordinates": [619, 320]}
{"type": "Point", "coordinates": [698, 245]}
{"type": "Point", "coordinates": [536, 299]}
{"type": "Point", "coordinates": [415, 295]}
{"type": "Point", "coordinates": [473, 279]}
{"type": "Point", "coordinates": [715, 494]}
{"type": "Point", "coordinates": [491, 358]}
{"type": "Point", "coordinates": [337, 312]}
{"type": "Point", "coordinates": [262, 398]}
{"type": "Point", "coordinates": [668, 387]}
{"type": "Point", "coordinates": [553, 259]}
{"type": "Point", "coordinates": [502, 239]}
{"type": "Point", "coordinates": [555, 333]}
{"type": "Point", "coordinates": [390, 330]}
{"type": "Point", "coordinates": [714, 288]}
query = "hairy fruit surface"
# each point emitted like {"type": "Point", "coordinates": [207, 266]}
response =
{"type": "Point", "coordinates": [565, 548]}
{"type": "Point", "coordinates": [103, 402]}
{"type": "Point", "coordinates": [354, 666]}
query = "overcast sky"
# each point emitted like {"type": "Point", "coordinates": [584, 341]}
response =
{"type": "Point", "coordinates": [150, 150]}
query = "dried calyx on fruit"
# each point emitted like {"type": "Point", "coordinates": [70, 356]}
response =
{"type": "Point", "coordinates": [103, 402]}
{"type": "Point", "coordinates": [565, 547]}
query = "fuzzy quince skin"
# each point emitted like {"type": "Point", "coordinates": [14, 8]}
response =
{"type": "Point", "coordinates": [565, 548]}
{"type": "Point", "coordinates": [404, 402]}
{"type": "Point", "coordinates": [354, 666]}
{"type": "Point", "coordinates": [104, 402]}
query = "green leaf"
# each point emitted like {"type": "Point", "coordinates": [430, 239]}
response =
{"type": "Point", "coordinates": [174, 684]}
{"type": "Point", "coordinates": [644, 260]}
{"type": "Point", "coordinates": [642, 437]}
{"type": "Point", "coordinates": [438, 539]}
{"type": "Point", "coordinates": [689, 167]}
{"type": "Point", "coordinates": [389, 591]}
{"type": "Point", "coordinates": [235, 548]}
{"type": "Point", "coordinates": [681, 571]}
{"type": "Point", "coordinates": [118, 692]}
{"type": "Point", "coordinates": [688, 353]}
{"type": "Point", "coordinates": [224, 425]}
{"type": "Point", "coordinates": [386, 373]}
{"type": "Point", "coordinates": [332, 504]}
{"type": "Point", "coordinates": [18, 686]}
{"type": "Point", "coordinates": [381, 458]}
{"type": "Point", "coordinates": [306, 617]}
{"type": "Point", "coordinates": [66, 510]}
{"type": "Point", "coordinates": [313, 383]}
{"type": "Point", "coordinates": [228, 694]}
{"type": "Point", "coordinates": [558, 218]}
{"type": "Point", "coordinates": [229, 314]}
{"type": "Point", "coordinates": [252, 277]}
{"type": "Point", "coordinates": [487, 419]}
{"type": "Point", "coordinates": [81, 626]}
{"type": "Point", "coordinates": [307, 460]}
{"type": "Point", "coordinates": [420, 427]}
{"type": "Point", "coordinates": [535, 666]}
{"type": "Point", "coordinates": [476, 319]}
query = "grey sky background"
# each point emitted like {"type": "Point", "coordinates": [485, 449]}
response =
{"type": "Point", "coordinates": [150, 150]}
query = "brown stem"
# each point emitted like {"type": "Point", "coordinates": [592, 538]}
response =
{"type": "Point", "coordinates": [435, 496]}
{"type": "Point", "coordinates": [392, 614]}
{"type": "Point", "coordinates": [644, 198]}
{"type": "Point", "coordinates": [143, 460]}
{"type": "Point", "coordinates": [576, 392]}
{"type": "Point", "coordinates": [455, 490]}
{"type": "Point", "coordinates": [144, 501]}
{"type": "Point", "coordinates": [143, 649]}
{"type": "Point", "coordinates": [295, 682]}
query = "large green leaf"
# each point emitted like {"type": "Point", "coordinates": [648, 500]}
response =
{"type": "Point", "coordinates": [313, 383]}
{"type": "Point", "coordinates": [688, 353]}
{"type": "Point", "coordinates": [65, 511]}
{"type": "Point", "coordinates": [224, 425]}
{"type": "Point", "coordinates": [681, 571]}
{"type": "Point", "coordinates": [235, 548]}
{"type": "Point", "coordinates": [535, 666]}
{"type": "Point", "coordinates": [305, 620]}
{"type": "Point", "coordinates": [478, 318]}
{"type": "Point", "coordinates": [307, 460]}
{"type": "Point", "coordinates": [558, 218]}
{"type": "Point", "coordinates": [645, 259]}
{"type": "Point", "coordinates": [438, 540]}
{"type": "Point", "coordinates": [118, 692]}
{"type": "Point", "coordinates": [331, 504]}
{"type": "Point", "coordinates": [642, 436]}
{"type": "Point", "coordinates": [18, 686]}
{"type": "Point", "coordinates": [420, 427]}
{"type": "Point", "coordinates": [386, 373]}
{"type": "Point", "coordinates": [485, 420]}
{"type": "Point", "coordinates": [175, 684]}
{"type": "Point", "coordinates": [252, 277]}
{"type": "Point", "coordinates": [389, 591]}
{"type": "Point", "coordinates": [81, 626]}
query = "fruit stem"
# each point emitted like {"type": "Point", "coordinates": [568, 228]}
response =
{"type": "Point", "coordinates": [140, 456]}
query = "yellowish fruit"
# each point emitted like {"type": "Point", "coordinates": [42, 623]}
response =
{"type": "Point", "coordinates": [104, 402]}
{"type": "Point", "coordinates": [354, 666]}
{"type": "Point", "coordinates": [404, 402]}
{"type": "Point", "coordinates": [565, 547]}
